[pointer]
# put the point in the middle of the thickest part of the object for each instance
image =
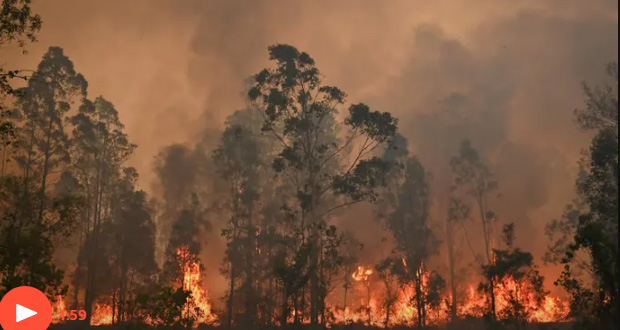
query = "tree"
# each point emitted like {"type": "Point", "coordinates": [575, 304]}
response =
{"type": "Point", "coordinates": [473, 177]}
{"type": "Point", "coordinates": [47, 100]}
{"type": "Point", "coordinates": [242, 158]}
{"type": "Point", "coordinates": [184, 235]}
{"type": "Point", "coordinates": [300, 112]}
{"type": "Point", "coordinates": [457, 213]}
{"type": "Point", "coordinates": [99, 149]}
{"type": "Point", "coordinates": [17, 24]}
{"type": "Point", "coordinates": [130, 249]}
{"type": "Point", "coordinates": [408, 223]}
{"type": "Point", "coordinates": [387, 270]}
{"type": "Point", "coordinates": [596, 229]}
{"type": "Point", "coordinates": [514, 271]}
{"type": "Point", "coordinates": [35, 215]}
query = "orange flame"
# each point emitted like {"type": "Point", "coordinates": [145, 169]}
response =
{"type": "Point", "coordinates": [403, 311]}
{"type": "Point", "coordinates": [192, 281]}
{"type": "Point", "coordinates": [102, 314]}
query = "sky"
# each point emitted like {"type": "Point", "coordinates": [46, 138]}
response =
{"type": "Point", "coordinates": [505, 74]}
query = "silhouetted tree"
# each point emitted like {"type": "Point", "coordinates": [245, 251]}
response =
{"type": "Point", "coordinates": [473, 177]}
{"type": "Point", "coordinates": [596, 229]}
{"type": "Point", "coordinates": [299, 111]}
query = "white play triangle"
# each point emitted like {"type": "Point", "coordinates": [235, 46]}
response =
{"type": "Point", "coordinates": [22, 313]}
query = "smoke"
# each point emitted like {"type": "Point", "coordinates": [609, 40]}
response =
{"type": "Point", "coordinates": [504, 74]}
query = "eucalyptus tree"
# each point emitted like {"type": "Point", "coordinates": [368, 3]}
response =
{"type": "Point", "coordinates": [457, 213]}
{"type": "Point", "coordinates": [18, 25]}
{"type": "Point", "coordinates": [99, 149]}
{"type": "Point", "coordinates": [37, 213]}
{"type": "Point", "coordinates": [473, 178]}
{"type": "Point", "coordinates": [241, 161]}
{"type": "Point", "coordinates": [325, 160]}
{"type": "Point", "coordinates": [591, 228]}
{"type": "Point", "coordinates": [408, 223]}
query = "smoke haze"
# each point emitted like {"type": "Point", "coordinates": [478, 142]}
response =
{"type": "Point", "coordinates": [505, 74]}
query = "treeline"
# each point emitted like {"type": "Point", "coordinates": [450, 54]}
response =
{"type": "Point", "coordinates": [298, 155]}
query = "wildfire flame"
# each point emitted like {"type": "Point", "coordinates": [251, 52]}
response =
{"type": "Point", "coordinates": [192, 281]}
{"type": "Point", "coordinates": [362, 274]}
{"type": "Point", "coordinates": [102, 314]}
{"type": "Point", "coordinates": [57, 307]}
{"type": "Point", "coordinates": [404, 313]}
{"type": "Point", "coordinates": [370, 307]}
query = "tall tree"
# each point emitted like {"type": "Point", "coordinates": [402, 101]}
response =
{"type": "Point", "coordinates": [596, 229]}
{"type": "Point", "coordinates": [458, 212]}
{"type": "Point", "coordinates": [18, 24]}
{"type": "Point", "coordinates": [297, 109]}
{"type": "Point", "coordinates": [99, 150]}
{"type": "Point", "coordinates": [37, 214]}
{"type": "Point", "coordinates": [516, 274]}
{"type": "Point", "coordinates": [408, 223]}
{"type": "Point", "coordinates": [242, 158]}
{"type": "Point", "coordinates": [473, 177]}
{"type": "Point", "coordinates": [129, 247]}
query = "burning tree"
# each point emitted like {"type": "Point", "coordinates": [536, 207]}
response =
{"type": "Point", "coordinates": [474, 178]}
{"type": "Point", "coordinates": [458, 212]}
{"type": "Point", "coordinates": [519, 285]}
{"type": "Point", "coordinates": [407, 219]}
{"type": "Point", "coordinates": [362, 275]}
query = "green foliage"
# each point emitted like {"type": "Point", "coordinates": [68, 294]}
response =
{"type": "Point", "coordinates": [593, 228]}
{"type": "Point", "coordinates": [17, 24]}
{"type": "Point", "coordinates": [296, 108]}
{"type": "Point", "coordinates": [33, 216]}
{"type": "Point", "coordinates": [300, 113]}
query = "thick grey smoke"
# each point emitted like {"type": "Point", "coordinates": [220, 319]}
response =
{"type": "Point", "coordinates": [504, 74]}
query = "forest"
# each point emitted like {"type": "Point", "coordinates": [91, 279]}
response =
{"type": "Point", "coordinates": [272, 184]}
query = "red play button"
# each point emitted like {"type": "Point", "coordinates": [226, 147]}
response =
{"type": "Point", "coordinates": [25, 308]}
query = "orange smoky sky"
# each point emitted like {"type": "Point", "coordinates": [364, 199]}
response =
{"type": "Point", "coordinates": [505, 74]}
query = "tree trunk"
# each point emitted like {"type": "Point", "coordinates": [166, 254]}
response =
{"type": "Point", "coordinates": [485, 231]}
{"type": "Point", "coordinates": [314, 277]}
{"type": "Point", "coordinates": [231, 288]}
{"type": "Point", "coordinates": [346, 289]}
{"type": "Point", "coordinates": [45, 170]}
{"type": "Point", "coordinates": [388, 307]}
{"type": "Point", "coordinates": [89, 295]}
{"type": "Point", "coordinates": [418, 300]}
{"type": "Point", "coordinates": [250, 301]}
{"type": "Point", "coordinates": [368, 304]}
{"type": "Point", "coordinates": [452, 270]}
{"type": "Point", "coordinates": [285, 309]}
